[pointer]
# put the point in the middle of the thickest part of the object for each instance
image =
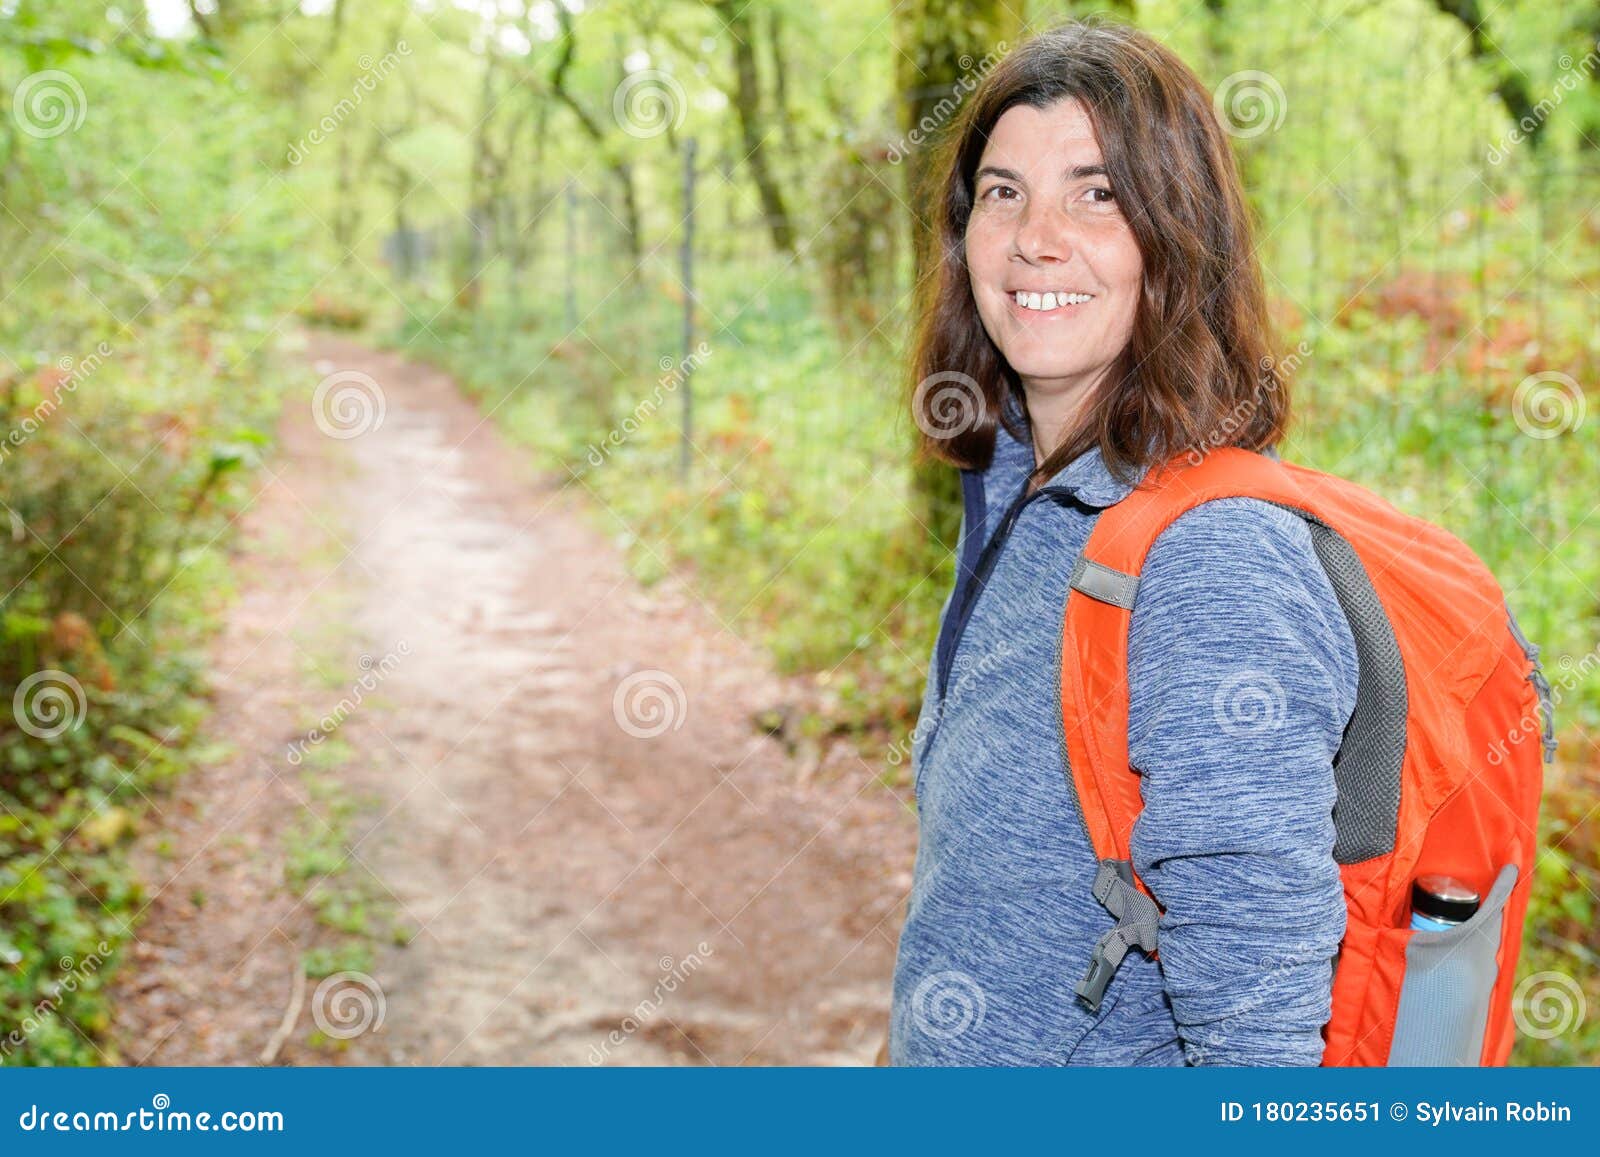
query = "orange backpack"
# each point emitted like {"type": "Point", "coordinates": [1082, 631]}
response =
{"type": "Point", "coordinates": [1434, 773]}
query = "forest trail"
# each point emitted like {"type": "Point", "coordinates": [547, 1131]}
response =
{"type": "Point", "coordinates": [568, 892]}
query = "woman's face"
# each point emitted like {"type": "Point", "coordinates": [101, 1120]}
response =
{"type": "Point", "coordinates": [1045, 225]}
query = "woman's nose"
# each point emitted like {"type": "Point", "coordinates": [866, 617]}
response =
{"type": "Point", "coordinates": [1044, 233]}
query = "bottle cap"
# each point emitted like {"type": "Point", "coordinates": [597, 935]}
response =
{"type": "Point", "coordinates": [1443, 898]}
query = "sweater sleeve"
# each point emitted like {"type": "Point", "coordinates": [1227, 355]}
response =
{"type": "Point", "coordinates": [1242, 677]}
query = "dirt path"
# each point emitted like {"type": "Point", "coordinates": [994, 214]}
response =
{"type": "Point", "coordinates": [572, 887]}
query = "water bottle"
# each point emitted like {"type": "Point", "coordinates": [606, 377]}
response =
{"type": "Point", "coordinates": [1440, 903]}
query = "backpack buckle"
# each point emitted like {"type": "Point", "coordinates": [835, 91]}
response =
{"type": "Point", "coordinates": [1138, 922]}
{"type": "Point", "coordinates": [1091, 989]}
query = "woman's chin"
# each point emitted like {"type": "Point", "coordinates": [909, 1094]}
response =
{"type": "Point", "coordinates": [1032, 370]}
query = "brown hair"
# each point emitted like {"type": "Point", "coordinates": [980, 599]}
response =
{"type": "Point", "coordinates": [1197, 371]}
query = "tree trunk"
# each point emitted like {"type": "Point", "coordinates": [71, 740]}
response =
{"type": "Point", "coordinates": [780, 83]}
{"type": "Point", "coordinates": [472, 255]}
{"type": "Point", "coordinates": [752, 123]}
{"type": "Point", "coordinates": [1589, 25]}
{"type": "Point", "coordinates": [933, 36]}
{"type": "Point", "coordinates": [1510, 85]}
{"type": "Point", "coordinates": [621, 170]}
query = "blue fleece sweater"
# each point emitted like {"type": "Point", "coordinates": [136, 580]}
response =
{"type": "Point", "coordinates": [1242, 677]}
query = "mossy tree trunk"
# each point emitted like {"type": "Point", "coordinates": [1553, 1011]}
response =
{"type": "Point", "coordinates": [940, 43]}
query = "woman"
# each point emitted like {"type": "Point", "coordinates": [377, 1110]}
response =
{"type": "Point", "coordinates": [1099, 309]}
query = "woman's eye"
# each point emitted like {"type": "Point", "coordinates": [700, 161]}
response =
{"type": "Point", "coordinates": [1102, 196]}
{"type": "Point", "coordinates": [990, 193]}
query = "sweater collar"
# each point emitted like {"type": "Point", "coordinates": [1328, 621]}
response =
{"type": "Point", "coordinates": [1086, 476]}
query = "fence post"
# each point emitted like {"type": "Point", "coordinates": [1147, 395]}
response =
{"type": "Point", "coordinates": [572, 259]}
{"type": "Point", "coordinates": [686, 365]}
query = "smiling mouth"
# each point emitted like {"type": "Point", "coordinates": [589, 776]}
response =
{"type": "Point", "coordinates": [1047, 303]}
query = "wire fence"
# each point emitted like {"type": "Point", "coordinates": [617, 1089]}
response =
{"type": "Point", "coordinates": [1447, 257]}
{"type": "Point", "coordinates": [1442, 319]}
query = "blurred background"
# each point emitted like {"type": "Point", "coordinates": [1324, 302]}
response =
{"type": "Point", "coordinates": [664, 251]}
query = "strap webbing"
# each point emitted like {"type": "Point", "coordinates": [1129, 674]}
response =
{"type": "Point", "coordinates": [1138, 923]}
{"type": "Point", "coordinates": [1103, 583]}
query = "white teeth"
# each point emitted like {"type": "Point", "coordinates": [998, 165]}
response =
{"type": "Point", "coordinates": [1049, 301]}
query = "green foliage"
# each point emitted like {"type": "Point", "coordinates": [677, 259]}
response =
{"type": "Point", "coordinates": [141, 265]}
{"type": "Point", "coordinates": [415, 162]}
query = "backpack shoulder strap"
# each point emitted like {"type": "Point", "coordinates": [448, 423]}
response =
{"type": "Point", "coordinates": [1094, 674]}
{"type": "Point", "coordinates": [1099, 611]}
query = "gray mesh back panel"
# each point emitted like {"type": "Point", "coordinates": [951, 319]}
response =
{"type": "Point", "coordinates": [1444, 998]}
{"type": "Point", "coordinates": [1366, 771]}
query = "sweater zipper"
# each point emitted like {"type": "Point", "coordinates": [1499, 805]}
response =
{"type": "Point", "coordinates": [970, 596]}
{"type": "Point", "coordinates": [981, 572]}
{"type": "Point", "coordinates": [980, 577]}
